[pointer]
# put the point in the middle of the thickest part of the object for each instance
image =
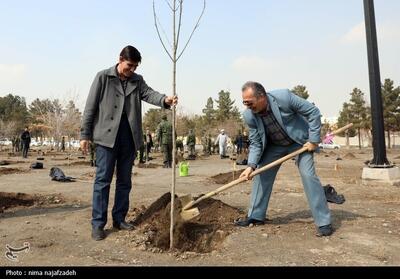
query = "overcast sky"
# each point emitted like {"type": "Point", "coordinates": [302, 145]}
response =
{"type": "Point", "coordinates": [53, 49]}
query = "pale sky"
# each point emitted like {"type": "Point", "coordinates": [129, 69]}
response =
{"type": "Point", "coordinates": [53, 49]}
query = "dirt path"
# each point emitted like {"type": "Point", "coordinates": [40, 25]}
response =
{"type": "Point", "coordinates": [367, 224]}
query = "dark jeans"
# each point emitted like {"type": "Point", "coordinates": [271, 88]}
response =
{"type": "Point", "coordinates": [122, 155]}
{"type": "Point", "coordinates": [25, 149]}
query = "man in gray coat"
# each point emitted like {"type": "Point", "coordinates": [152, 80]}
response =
{"type": "Point", "coordinates": [112, 119]}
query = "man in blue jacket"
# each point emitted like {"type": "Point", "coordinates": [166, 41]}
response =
{"type": "Point", "coordinates": [279, 123]}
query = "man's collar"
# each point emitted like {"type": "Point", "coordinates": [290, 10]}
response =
{"type": "Point", "coordinates": [112, 72]}
{"type": "Point", "coordinates": [267, 109]}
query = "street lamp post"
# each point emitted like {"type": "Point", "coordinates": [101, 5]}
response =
{"type": "Point", "coordinates": [378, 134]}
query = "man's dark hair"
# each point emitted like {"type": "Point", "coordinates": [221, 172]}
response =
{"type": "Point", "coordinates": [258, 89]}
{"type": "Point", "coordinates": [131, 53]}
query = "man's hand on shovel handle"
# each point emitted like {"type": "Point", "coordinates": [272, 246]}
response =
{"type": "Point", "coordinates": [246, 173]}
{"type": "Point", "coordinates": [311, 146]}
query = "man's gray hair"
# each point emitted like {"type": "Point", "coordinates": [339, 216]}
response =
{"type": "Point", "coordinates": [258, 89]}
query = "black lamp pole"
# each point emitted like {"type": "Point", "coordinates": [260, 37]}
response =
{"type": "Point", "coordinates": [378, 132]}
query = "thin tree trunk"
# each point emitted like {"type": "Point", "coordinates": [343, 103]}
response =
{"type": "Point", "coordinates": [347, 140]}
{"type": "Point", "coordinates": [359, 138]}
{"type": "Point", "coordinates": [171, 232]}
{"type": "Point", "coordinates": [388, 135]}
{"type": "Point", "coordinates": [394, 139]}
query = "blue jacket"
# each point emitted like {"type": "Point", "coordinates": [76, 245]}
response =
{"type": "Point", "coordinates": [299, 118]}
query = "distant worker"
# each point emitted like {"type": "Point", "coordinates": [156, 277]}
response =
{"type": "Point", "coordinates": [63, 144]}
{"type": "Point", "coordinates": [246, 142]}
{"type": "Point", "coordinates": [164, 135]}
{"type": "Point", "coordinates": [149, 143]}
{"type": "Point", "coordinates": [191, 143]}
{"type": "Point", "coordinates": [222, 141]}
{"type": "Point", "coordinates": [239, 143]}
{"type": "Point", "coordinates": [25, 141]}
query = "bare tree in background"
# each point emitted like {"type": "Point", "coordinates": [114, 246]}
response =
{"type": "Point", "coordinates": [176, 7]}
{"type": "Point", "coordinates": [60, 120]}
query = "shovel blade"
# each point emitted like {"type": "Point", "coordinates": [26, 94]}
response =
{"type": "Point", "coordinates": [190, 213]}
{"type": "Point", "coordinates": [185, 200]}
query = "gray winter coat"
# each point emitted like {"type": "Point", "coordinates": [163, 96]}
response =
{"type": "Point", "coordinates": [105, 103]}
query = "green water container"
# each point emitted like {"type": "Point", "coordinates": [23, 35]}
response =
{"type": "Point", "coordinates": [184, 169]}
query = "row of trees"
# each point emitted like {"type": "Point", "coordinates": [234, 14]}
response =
{"type": "Point", "coordinates": [46, 118]}
{"type": "Point", "coordinates": [357, 111]}
{"type": "Point", "coordinates": [51, 118]}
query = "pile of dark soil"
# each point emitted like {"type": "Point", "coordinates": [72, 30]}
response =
{"type": "Point", "coordinates": [224, 178]}
{"type": "Point", "coordinates": [202, 234]}
{"type": "Point", "coordinates": [79, 163]}
{"type": "Point", "coordinates": [11, 200]}
{"type": "Point", "coordinates": [5, 170]}
{"type": "Point", "coordinates": [349, 156]}
{"type": "Point", "coordinates": [148, 166]}
{"type": "Point", "coordinates": [60, 159]}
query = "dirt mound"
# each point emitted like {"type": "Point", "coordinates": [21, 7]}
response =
{"type": "Point", "coordinates": [60, 159]}
{"type": "Point", "coordinates": [4, 171]}
{"type": "Point", "coordinates": [11, 200]}
{"type": "Point", "coordinates": [79, 163]}
{"type": "Point", "coordinates": [332, 153]}
{"type": "Point", "coordinates": [202, 234]}
{"type": "Point", "coordinates": [224, 178]}
{"type": "Point", "coordinates": [148, 166]}
{"type": "Point", "coordinates": [349, 156]}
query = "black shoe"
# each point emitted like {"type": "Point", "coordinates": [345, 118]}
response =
{"type": "Point", "coordinates": [98, 234]}
{"type": "Point", "coordinates": [123, 226]}
{"type": "Point", "coordinates": [246, 222]}
{"type": "Point", "coordinates": [325, 230]}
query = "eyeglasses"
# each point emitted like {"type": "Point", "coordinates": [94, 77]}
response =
{"type": "Point", "coordinates": [248, 103]}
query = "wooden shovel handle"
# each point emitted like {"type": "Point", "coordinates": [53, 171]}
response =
{"type": "Point", "coordinates": [338, 131]}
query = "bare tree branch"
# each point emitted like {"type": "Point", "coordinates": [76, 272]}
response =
{"type": "Point", "coordinates": [165, 34]}
{"type": "Point", "coordinates": [169, 5]}
{"type": "Point", "coordinates": [158, 32]}
{"type": "Point", "coordinates": [194, 29]}
{"type": "Point", "coordinates": [179, 23]}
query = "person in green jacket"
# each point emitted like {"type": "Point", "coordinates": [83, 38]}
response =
{"type": "Point", "coordinates": [164, 135]}
{"type": "Point", "coordinates": [191, 143]}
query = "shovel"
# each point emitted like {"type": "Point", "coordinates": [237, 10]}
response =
{"type": "Point", "coordinates": [187, 201]}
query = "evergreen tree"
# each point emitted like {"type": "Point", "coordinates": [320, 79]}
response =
{"type": "Point", "coordinates": [355, 112]}
{"type": "Point", "coordinates": [209, 111]}
{"type": "Point", "coordinates": [301, 91]}
{"type": "Point", "coordinates": [390, 103]}
{"type": "Point", "coordinates": [13, 109]}
{"type": "Point", "coordinates": [226, 109]}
